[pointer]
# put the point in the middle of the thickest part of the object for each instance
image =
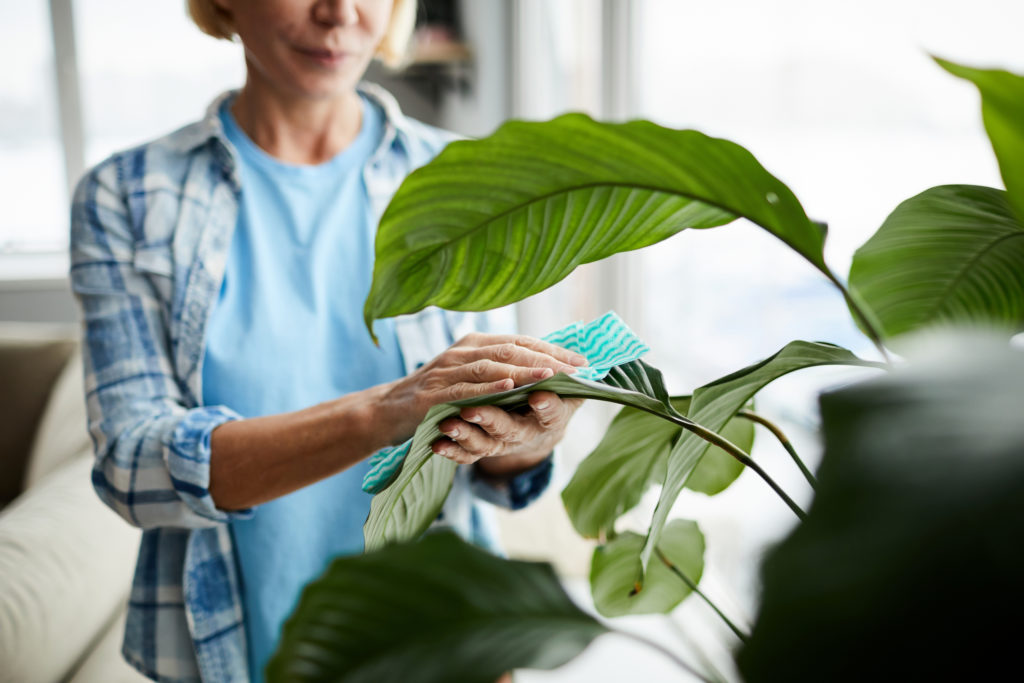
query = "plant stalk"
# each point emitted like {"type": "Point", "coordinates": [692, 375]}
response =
{"type": "Point", "coordinates": [781, 436]}
{"type": "Point", "coordinates": [872, 332]}
{"type": "Point", "coordinates": [665, 651]}
{"type": "Point", "coordinates": [738, 453]}
{"type": "Point", "coordinates": [693, 587]}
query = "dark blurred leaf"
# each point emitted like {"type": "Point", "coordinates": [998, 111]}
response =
{"type": "Point", "coordinates": [436, 611]}
{"type": "Point", "coordinates": [909, 564]}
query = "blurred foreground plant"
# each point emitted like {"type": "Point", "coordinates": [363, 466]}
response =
{"type": "Point", "coordinates": [919, 480]}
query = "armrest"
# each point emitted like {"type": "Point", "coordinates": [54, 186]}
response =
{"type": "Point", "coordinates": [66, 563]}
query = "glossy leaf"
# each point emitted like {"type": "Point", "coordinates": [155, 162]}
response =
{"type": "Point", "coordinates": [952, 254]}
{"type": "Point", "coordinates": [436, 611]}
{"type": "Point", "coordinates": [716, 403]}
{"type": "Point", "coordinates": [632, 456]}
{"type": "Point", "coordinates": [406, 508]}
{"type": "Point", "coordinates": [614, 567]}
{"type": "Point", "coordinates": [1002, 109]}
{"type": "Point", "coordinates": [910, 559]}
{"type": "Point", "coordinates": [717, 470]}
{"type": "Point", "coordinates": [490, 222]}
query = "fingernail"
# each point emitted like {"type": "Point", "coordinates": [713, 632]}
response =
{"type": "Point", "coordinates": [579, 360]}
{"type": "Point", "coordinates": [453, 433]}
{"type": "Point", "coordinates": [475, 418]}
{"type": "Point", "coordinates": [543, 373]}
{"type": "Point", "coordinates": [541, 406]}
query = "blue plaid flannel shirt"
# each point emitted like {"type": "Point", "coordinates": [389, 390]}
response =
{"type": "Point", "coordinates": [150, 231]}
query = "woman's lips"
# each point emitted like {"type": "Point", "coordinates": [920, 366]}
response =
{"type": "Point", "coordinates": [323, 56]}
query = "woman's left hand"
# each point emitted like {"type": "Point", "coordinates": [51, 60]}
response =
{"type": "Point", "coordinates": [501, 443]}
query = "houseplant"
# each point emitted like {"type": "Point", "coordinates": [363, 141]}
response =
{"type": "Point", "coordinates": [490, 222]}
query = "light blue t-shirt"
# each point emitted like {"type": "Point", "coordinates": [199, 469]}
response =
{"type": "Point", "coordinates": [287, 333]}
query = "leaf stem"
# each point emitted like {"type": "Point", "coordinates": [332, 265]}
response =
{"type": "Point", "coordinates": [869, 328]}
{"type": "Point", "coordinates": [665, 651]}
{"type": "Point", "coordinates": [693, 587]}
{"type": "Point", "coordinates": [781, 436]}
{"type": "Point", "coordinates": [738, 453]}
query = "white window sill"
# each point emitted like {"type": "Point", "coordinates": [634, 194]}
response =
{"type": "Point", "coordinates": [34, 270]}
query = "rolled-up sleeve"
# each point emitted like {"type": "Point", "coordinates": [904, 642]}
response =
{"type": "Point", "coordinates": [152, 449]}
{"type": "Point", "coordinates": [517, 492]}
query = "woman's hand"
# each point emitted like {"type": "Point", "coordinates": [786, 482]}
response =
{"type": "Point", "coordinates": [476, 365]}
{"type": "Point", "coordinates": [504, 443]}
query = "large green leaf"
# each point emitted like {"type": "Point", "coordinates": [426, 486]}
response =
{"type": "Point", "coordinates": [492, 221]}
{"type": "Point", "coordinates": [1002, 109]}
{"type": "Point", "coordinates": [632, 456]}
{"type": "Point", "coordinates": [614, 568]}
{"type": "Point", "coordinates": [404, 510]}
{"type": "Point", "coordinates": [952, 254]}
{"type": "Point", "coordinates": [910, 559]}
{"type": "Point", "coordinates": [436, 611]}
{"type": "Point", "coordinates": [716, 403]}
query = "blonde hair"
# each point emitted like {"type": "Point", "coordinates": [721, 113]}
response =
{"type": "Point", "coordinates": [215, 21]}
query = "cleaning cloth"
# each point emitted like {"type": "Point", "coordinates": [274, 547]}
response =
{"type": "Point", "coordinates": [605, 342]}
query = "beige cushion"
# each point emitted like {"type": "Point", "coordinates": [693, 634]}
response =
{"type": "Point", "coordinates": [31, 357]}
{"type": "Point", "coordinates": [62, 433]}
{"type": "Point", "coordinates": [66, 563]}
{"type": "Point", "coordinates": [104, 663]}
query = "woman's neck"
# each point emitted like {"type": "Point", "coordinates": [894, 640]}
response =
{"type": "Point", "coordinates": [297, 130]}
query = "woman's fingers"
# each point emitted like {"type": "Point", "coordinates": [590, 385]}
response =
{"type": "Point", "coordinates": [523, 350]}
{"type": "Point", "coordinates": [454, 451]}
{"type": "Point", "coordinates": [461, 390]}
{"type": "Point", "coordinates": [486, 431]}
{"type": "Point", "coordinates": [548, 408]}
{"type": "Point", "coordinates": [486, 370]}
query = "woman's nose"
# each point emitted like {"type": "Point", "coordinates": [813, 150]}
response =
{"type": "Point", "coordinates": [336, 12]}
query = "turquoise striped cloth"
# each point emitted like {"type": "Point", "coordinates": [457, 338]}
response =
{"type": "Point", "coordinates": [605, 342]}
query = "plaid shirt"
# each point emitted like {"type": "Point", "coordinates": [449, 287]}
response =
{"type": "Point", "coordinates": [150, 232]}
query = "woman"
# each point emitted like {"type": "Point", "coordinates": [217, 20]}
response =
{"type": "Point", "coordinates": [233, 396]}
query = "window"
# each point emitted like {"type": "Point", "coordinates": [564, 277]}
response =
{"type": "Point", "coordinates": [146, 70]}
{"type": "Point", "coordinates": [843, 104]}
{"type": "Point", "coordinates": [31, 157]}
{"type": "Point", "coordinates": [840, 101]}
{"type": "Point", "coordinates": [139, 70]}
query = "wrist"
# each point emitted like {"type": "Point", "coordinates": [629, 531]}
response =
{"type": "Point", "coordinates": [502, 468]}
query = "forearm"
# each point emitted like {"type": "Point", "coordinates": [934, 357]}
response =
{"type": "Point", "coordinates": [257, 460]}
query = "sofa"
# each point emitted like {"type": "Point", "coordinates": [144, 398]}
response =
{"type": "Point", "coordinates": [66, 560]}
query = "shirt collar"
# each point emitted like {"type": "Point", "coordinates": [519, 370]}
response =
{"type": "Point", "coordinates": [396, 125]}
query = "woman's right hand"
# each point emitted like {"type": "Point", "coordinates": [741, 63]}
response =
{"type": "Point", "coordinates": [476, 365]}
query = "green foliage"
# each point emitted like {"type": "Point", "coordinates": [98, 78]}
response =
{"type": "Point", "coordinates": [437, 610]}
{"type": "Point", "coordinates": [912, 535]}
{"type": "Point", "coordinates": [1002, 109]}
{"type": "Point", "coordinates": [716, 403]}
{"type": "Point", "coordinates": [632, 456]}
{"type": "Point", "coordinates": [492, 221]}
{"type": "Point", "coordinates": [910, 559]}
{"type": "Point", "coordinates": [952, 254]}
{"type": "Point", "coordinates": [404, 510]}
{"type": "Point", "coordinates": [614, 568]}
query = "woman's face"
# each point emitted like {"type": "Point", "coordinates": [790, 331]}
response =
{"type": "Point", "coordinates": [310, 48]}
